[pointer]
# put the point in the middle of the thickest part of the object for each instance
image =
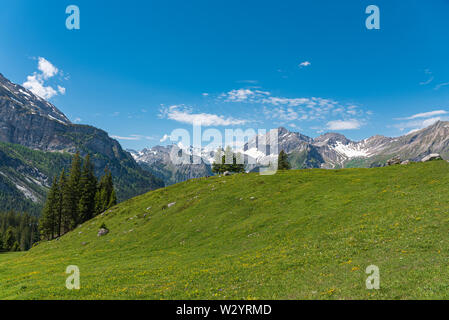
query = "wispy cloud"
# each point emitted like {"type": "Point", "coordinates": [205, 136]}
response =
{"type": "Point", "coordinates": [439, 86]}
{"type": "Point", "coordinates": [36, 82]}
{"type": "Point", "coordinates": [421, 120]}
{"type": "Point", "coordinates": [425, 115]}
{"type": "Point", "coordinates": [244, 95]}
{"type": "Point", "coordinates": [431, 78]}
{"type": "Point", "coordinates": [185, 115]}
{"type": "Point", "coordinates": [351, 124]}
{"type": "Point", "coordinates": [133, 137]}
{"type": "Point", "coordinates": [164, 138]}
{"type": "Point", "coordinates": [304, 64]}
{"type": "Point", "coordinates": [287, 109]}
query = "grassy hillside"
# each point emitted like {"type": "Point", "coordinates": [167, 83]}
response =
{"type": "Point", "coordinates": [306, 234]}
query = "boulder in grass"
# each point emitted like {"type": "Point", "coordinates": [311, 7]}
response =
{"type": "Point", "coordinates": [226, 173]}
{"type": "Point", "coordinates": [394, 161]}
{"type": "Point", "coordinates": [102, 232]}
{"type": "Point", "coordinates": [406, 162]}
{"type": "Point", "coordinates": [171, 204]}
{"type": "Point", "coordinates": [431, 157]}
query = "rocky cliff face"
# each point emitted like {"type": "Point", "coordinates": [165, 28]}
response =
{"type": "Point", "coordinates": [30, 121]}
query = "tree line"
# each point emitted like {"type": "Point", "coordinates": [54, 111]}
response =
{"type": "Point", "coordinates": [75, 198]}
{"type": "Point", "coordinates": [18, 231]}
{"type": "Point", "coordinates": [237, 166]}
{"type": "Point", "coordinates": [223, 164]}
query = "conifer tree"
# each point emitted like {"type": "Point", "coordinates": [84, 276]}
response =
{"type": "Point", "coordinates": [48, 221]}
{"type": "Point", "coordinates": [60, 202]}
{"type": "Point", "coordinates": [71, 195]}
{"type": "Point", "coordinates": [112, 199]}
{"type": "Point", "coordinates": [283, 163]}
{"type": "Point", "coordinates": [88, 189]}
{"type": "Point", "coordinates": [228, 161]}
{"type": "Point", "coordinates": [9, 239]}
{"type": "Point", "coordinates": [105, 196]}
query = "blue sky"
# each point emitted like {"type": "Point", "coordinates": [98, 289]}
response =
{"type": "Point", "coordinates": [140, 69]}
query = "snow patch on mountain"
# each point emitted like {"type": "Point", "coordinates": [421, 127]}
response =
{"type": "Point", "coordinates": [351, 150]}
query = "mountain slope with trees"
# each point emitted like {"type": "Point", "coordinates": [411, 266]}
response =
{"type": "Point", "coordinates": [37, 125]}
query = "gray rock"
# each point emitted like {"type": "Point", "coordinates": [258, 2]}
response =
{"type": "Point", "coordinates": [171, 204]}
{"type": "Point", "coordinates": [226, 173]}
{"type": "Point", "coordinates": [406, 162]}
{"type": "Point", "coordinates": [432, 157]}
{"type": "Point", "coordinates": [102, 232]}
{"type": "Point", "coordinates": [394, 161]}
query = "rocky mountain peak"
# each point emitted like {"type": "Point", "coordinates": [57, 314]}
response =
{"type": "Point", "coordinates": [16, 99]}
{"type": "Point", "coordinates": [331, 138]}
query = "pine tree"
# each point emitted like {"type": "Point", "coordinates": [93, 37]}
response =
{"type": "Point", "coordinates": [283, 163]}
{"type": "Point", "coordinates": [15, 246]}
{"type": "Point", "coordinates": [48, 223]}
{"type": "Point", "coordinates": [229, 161]}
{"type": "Point", "coordinates": [105, 196]}
{"type": "Point", "coordinates": [218, 162]}
{"type": "Point", "coordinates": [71, 195]}
{"type": "Point", "coordinates": [60, 203]}
{"type": "Point", "coordinates": [112, 199]}
{"type": "Point", "coordinates": [9, 239]}
{"type": "Point", "coordinates": [88, 189]}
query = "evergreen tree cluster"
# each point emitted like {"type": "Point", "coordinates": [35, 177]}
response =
{"type": "Point", "coordinates": [76, 198]}
{"type": "Point", "coordinates": [283, 163]}
{"type": "Point", "coordinates": [18, 232]}
{"type": "Point", "coordinates": [220, 166]}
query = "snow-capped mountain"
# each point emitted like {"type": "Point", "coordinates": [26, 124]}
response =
{"type": "Point", "coordinates": [164, 162]}
{"type": "Point", "coordinates": [17, 97]}
{"type": "Point", "coordinates": [330, 151]}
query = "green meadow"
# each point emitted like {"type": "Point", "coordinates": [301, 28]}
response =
{"type": "Point", "coordinates": [299, 234]}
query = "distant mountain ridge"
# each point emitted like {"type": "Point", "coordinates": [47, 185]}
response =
{"type": "Point", "coordinates": [157, 161]}
{"type": "Point", "coordinates": [32, 122]}
{"type": "Point", "coordinates": [329, 151]}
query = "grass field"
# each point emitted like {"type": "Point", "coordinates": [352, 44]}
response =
{"type": "Point", "coordinates": [301, 234]}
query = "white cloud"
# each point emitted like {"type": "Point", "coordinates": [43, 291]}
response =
{"type": "Point", "coordinates": [36, 82]}
{"type": "Point", "coordinates": [165, 138]}
{"type": "Point", "coordinates": [301, 108]}
{"type": "Point", "coordinates": [305, 64]}
{"type": "Point", "coordinates": [47, 68]}
{"type": "Point", "coordinates": [61, 90]}
{"type": "Point", "coordinates": [77, 120]}
{"type": "Point", "coordinates": [240, 95]}
{"type": "Point", "coordinates": [286, 101]}
{"type": "Point", "coordinates": [344, 124]}
{"type": "Point", "coordinates": [185, 115]}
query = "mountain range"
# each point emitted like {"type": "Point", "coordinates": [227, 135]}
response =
{"type": "Point", "coordinates": [38, 140]}
{"type": "Point", "coordinates": [328, 151]}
